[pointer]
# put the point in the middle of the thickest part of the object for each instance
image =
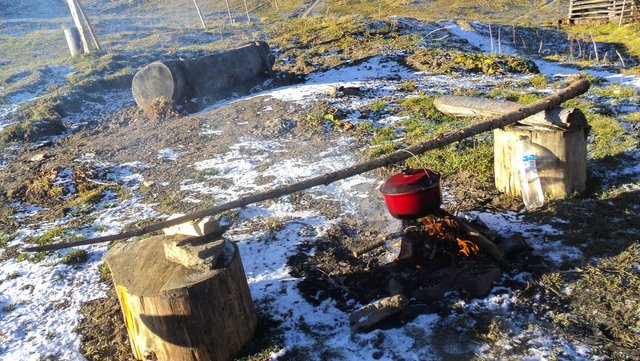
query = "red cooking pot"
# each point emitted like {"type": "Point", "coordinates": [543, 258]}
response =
{"type": "Point", "coordinates": [412, 194]}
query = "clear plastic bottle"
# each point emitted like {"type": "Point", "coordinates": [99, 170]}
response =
{"type": "Point", "coordinates": [532, 195]}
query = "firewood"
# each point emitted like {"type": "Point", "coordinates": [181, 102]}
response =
{"type": "Point", "coordinates": [483, 242]}
{"type": "Point", "coordinates": [377, 311]}
{"type": "Point", "coordinates": [572, 91]}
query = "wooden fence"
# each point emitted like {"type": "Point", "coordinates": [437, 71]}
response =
{"type": "Point", "coordinates": [618, 11]}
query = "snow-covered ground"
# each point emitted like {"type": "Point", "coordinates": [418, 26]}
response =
{"type": "Point", "coordinates": [40, 301]}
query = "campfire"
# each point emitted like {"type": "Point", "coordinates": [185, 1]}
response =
{"type": "Point", "coordinates": [439, 252]}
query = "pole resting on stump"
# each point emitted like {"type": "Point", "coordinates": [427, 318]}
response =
{"type": "Point", "coordinates": [553, 100]}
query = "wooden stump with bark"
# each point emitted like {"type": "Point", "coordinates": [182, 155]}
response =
{"type": "Point", "coordinates": [558, 137]}
{"type": "Point", "coordinates": [177, 313]}
{"type": "Point", "coordinates": [561, 159]}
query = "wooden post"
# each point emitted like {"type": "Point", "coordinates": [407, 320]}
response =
{"type": "Point", "coordinates": [204, 26]}
{"type": "Point", "coordinates": [228, 10]}
{"type": "Point", "coordinates": [177, 313]}
{"type": "Point", "coordinates": [78, 22]}
{"type": "Point", "coordinates": [73, 41]}
{"type": "Point", "coordinates": [246, 8]}
{"type": "Point", "coordinates": [89, 27]}
{"type": "Point", "coordinates": [84, 26]}
{"type": "Point", "coordinates": [561, 159]}
{"type": "Point", "coordinates": [624, 5]}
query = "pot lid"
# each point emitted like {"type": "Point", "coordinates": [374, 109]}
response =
{"type": "Point", "coordinates": [410, 180]}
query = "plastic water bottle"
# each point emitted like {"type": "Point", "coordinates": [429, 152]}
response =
{"type": "Point", "coordinates": [532, 195]}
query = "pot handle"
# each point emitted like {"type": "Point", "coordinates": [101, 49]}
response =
{"type": "Point", "coordinates": [407, 169]}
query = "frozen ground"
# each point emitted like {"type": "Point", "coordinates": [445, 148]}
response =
{"type": "Point", "coordinates": [40, 301]}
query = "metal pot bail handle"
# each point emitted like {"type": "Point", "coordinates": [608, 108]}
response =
{"type": "Point", "coordinates": [416, 158]}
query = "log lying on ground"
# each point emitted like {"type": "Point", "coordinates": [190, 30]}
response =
{"type": "Point", "coordinates": [177, 80]}
{"type": "Point", "coordinates": [369, 315]}
{"type": "Point", "coordinates": [464, 106]}
{"type": "Point", "coordinates": [572, 91]}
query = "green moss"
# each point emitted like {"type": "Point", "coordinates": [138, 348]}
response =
{"type": "Point", "coordinates": [75, 257]}
{"type": "Point", "coordinates": [87, 196]}
{"type": "Point", "coordinates": [616, 91]}
{"type": "Point", "coordinates": [9, 307]}
{"type": "Point", "coordinates": [50, 236]}
{"type": "Point", "coordinates": [610, 138]}
{"type": "Point", "coordinates": [448, 61]}
{"type": "Point", "coordinates": [4, 239]}
{"type": "Point", "coordinates": [540, 81]}
{"type": "Point", "coordinates": [633, 117]}
{"type": "Point", "coordinates": [105, 272]}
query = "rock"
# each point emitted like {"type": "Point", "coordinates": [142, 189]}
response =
{"type": "Point", "coordinates": [514, 245]}
{"type": "Point", "coordinates": [148, 184]}
{"type": "Point", "coordinates": [44, 128]}
{"type": "Point", "coordinates": [194, 253]}
{"type": "Point", "coordinates": [376, 311]}
{"type": "Point", "coordinates": [38, 157]}
{"type": "Point", "coordinates": [196, 228]}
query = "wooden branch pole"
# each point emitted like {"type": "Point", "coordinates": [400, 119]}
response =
{"type": "Point", "coordinates": [73, 41]}
{"type": "Point", "coordinates": [551, 101]}
{"type": "Point", "coordinates": [204, 26]}
{"type": "Point", "coordinates": [89, 26]}
{"type": "Point", "coordinates": [73, 8]}
{"type": "Point", "coordinates": [466, 106]}
{"type": "Point", "coordinates": [229, 10]}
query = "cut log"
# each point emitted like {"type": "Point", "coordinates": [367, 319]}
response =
{"type": "Point", "coordinates": [464, 106]}
{"type": "Point", "coordinates": [369, 315]}
{"type": "Point", "coordinates": [177, 80]}
{"type": "Point", "coordinates": [561, 159]}
{"type": "Point", "coordinates": [175, 313]}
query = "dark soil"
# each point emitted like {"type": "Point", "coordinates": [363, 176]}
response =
{"type": "Point", "coordinates": [104, 336]}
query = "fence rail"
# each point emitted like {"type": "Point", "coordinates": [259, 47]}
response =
{"type": "Point", "coordinates": [604, 10]}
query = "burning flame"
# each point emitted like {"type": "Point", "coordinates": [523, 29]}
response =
{"type": "Point", "coordinates": [467, 247]}
{"type": "Point", "coordinates": [446, 230]}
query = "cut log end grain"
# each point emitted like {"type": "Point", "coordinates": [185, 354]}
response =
{"type": "Point", "coordinates": [158, 80]}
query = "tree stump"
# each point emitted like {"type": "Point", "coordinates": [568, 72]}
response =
{"type": "Point", "coordinates": [177, 313]}
{"type": "Point", "coordinates": [561, 159]}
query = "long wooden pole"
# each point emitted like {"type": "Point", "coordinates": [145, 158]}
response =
{"type": "Point", "coordinates": [76, 20]}
{"type": "Point", "coordinates": [229, 10]}
{"type": "Point", "coordinates": [200, 14]}
{"type": "Point", "coordinates": [246, 8]}
{"type": "Point", "coordinates": [572, 91]}
{"type": "Point", "coordinates": [89, 26]}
